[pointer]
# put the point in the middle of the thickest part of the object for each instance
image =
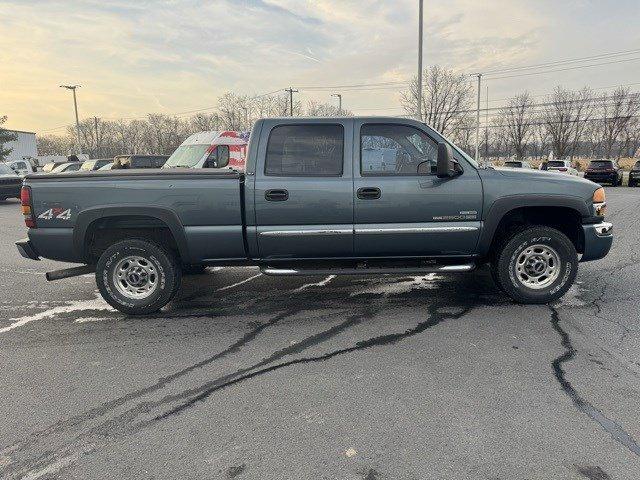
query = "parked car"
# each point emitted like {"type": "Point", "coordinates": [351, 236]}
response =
{"type": "Point", "coordinates": [48, 168]}
{"type": "Point", "coordinates": [517, 164]}
{"type": "Point", "coordinates": [211, 150]}
{"type": "Point", "coordinates": [604, 171]}
{"type": "Point", "coordinates": [139, 161]}
{"type": "Point", "coordinates": [314, 202]}
{"type": "Point", "coordinates": [91, 165]}
{"type": "Point", "coordinates": [67, 167]}
{"type": "Point", "coordinates": [21, 167]}
{"type": "Point", "coordinates": [634, 175]}
{"type": "Point", "coordinates": [562, 166]}
{"type": "Point", "coordinates": [60, 159]}
{"type": "Point", "coordinates": [10, 182]}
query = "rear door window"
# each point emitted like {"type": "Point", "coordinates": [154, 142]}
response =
{"type": "Point", "coordinates": [305, 150]}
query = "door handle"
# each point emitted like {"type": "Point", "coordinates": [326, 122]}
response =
{"type": "Point", "coordinates": [369, 193]}
{"type": "Point", "coordinates": [276, 195]}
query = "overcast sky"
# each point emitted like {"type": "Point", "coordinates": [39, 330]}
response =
{"type": "Point", "coordinates": [139, 56]}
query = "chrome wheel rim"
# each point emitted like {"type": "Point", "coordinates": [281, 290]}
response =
{"type": "Point", "coordinates": [537, 266]}
{"type": "Point", "coordinates": [136, 277]}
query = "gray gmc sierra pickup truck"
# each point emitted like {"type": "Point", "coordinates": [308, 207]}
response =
{"type": "Point", "coordinates": [319, 196]}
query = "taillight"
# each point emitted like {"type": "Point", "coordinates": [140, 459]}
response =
{"type": "Point", "coordinates": [27, 207]}
{"type": "Point", "coordinates": [562, 169]}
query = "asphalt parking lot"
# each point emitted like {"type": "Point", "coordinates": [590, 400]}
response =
{"type": "Point", "coordinates": [251, 377]}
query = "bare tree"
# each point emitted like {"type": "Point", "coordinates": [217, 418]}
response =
{"type": "Point", "coordinates": [561, 119]}
{"type": "Point", "coordinates": [518, 123]}
{"type": "Point", "coordinates": [317, 109]}
{"type": "Point", "coordinates": [54, 144]}
{"type": "Point", "coordinates": [447, 98]}
{"type": "Point", "coordinates": [203, 122]}
{"type": "Point", "coordinates": [618, 110]}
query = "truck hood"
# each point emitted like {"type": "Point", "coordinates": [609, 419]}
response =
{"type": "Point", "coordinates": [543, 176]}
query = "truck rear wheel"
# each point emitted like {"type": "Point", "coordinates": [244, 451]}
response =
{"type": "Point", "coordinates": [536, 265]}
{"type": "Point", "coordinates": [137, 277]}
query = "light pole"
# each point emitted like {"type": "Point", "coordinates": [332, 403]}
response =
{"type": "Point", "coordinates": [75, 106]}
{"type": "Point", "coordinates": [477, 158]}
{"type": "Point", "coordinates": [420, 37]}
{"type": "Point", "coordinates": [339, 97]}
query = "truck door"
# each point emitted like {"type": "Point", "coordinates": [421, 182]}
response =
{"type": "Point", "coordinates": [303, 190]}
{"type": "Point", "coordinates": [401, 207]}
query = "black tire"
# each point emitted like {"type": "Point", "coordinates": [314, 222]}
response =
{"type": "Point", "coordinates": [632, 183]}
{"type": "Point", "coordinates": [495, 277]}
{"type": "Point", "coordinates": [544, 247]}
{"type": "Point", "coordinates": [165, 272]}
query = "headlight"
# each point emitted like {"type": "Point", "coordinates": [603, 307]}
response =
{"type": "Point", "coordinates": [599, 202]}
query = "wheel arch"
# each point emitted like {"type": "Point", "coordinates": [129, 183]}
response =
{"type": "Point", "coordinates": [134, 218]}
{"type": "Point", "coordinates": [562, 212]}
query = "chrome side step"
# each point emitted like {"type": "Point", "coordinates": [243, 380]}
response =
{"type": "Point", "coordinates": [283, 272]}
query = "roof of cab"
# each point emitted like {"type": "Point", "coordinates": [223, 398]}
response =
{"type": "Point", "coordinates": [226, 137]}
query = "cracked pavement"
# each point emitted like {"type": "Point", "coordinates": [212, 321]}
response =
{"type": "Point", "coordinates": [250, 377]}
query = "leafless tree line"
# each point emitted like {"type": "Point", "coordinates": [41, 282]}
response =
{"type": "Point", "coordinates": [162, 134]}
{"type": "Point", "coordinates": [568, 123]}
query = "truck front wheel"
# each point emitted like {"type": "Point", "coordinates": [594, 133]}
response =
{"type": "Point", "coordinates": [137, 277]}
{"type": "Point", "coordinates": [536, 265]}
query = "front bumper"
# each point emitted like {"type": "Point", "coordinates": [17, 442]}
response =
{"type": "Point", "coordinates": [25, 247]}
{"type": "Point", "coordinates": [598, 239]}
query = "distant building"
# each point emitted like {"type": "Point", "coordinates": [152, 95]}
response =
{"type": "Point", "coordinates": [23, 147]}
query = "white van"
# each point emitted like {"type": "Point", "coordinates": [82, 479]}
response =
{"type": "Point", "coordinates": [211, 150]}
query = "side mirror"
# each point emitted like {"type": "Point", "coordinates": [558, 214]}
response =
{"type": "Point", "coordinates": [446, 164]}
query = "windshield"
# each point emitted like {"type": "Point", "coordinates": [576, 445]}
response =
{"type": "Point", "coordinates": [186, 156]}
{"type": "Point", "coordinates": [63, 167]}
{"type": "Point", "coordinates": [556, 164]}
{"type": "Point", "coordinates": [6, 170]}
{"type": "Point", "coordinates": [513, 164]}
{"type": "Point", "coordinates": [601, 164]}
{"type": "Point", "coordinates": [86, 166]}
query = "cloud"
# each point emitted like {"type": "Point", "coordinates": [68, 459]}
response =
{"type": "Point", "coordinates": [134, 57]}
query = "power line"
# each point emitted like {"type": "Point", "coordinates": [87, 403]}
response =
{"type": "Point", "coordinates": [577, 67]}
{"type": "Point", "coordinates": [559, 62]}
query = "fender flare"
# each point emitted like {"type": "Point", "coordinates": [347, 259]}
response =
{"type": "Point", "coordinates": [88, 216]}
{"type": "Point", "coordinates": [502, 206]}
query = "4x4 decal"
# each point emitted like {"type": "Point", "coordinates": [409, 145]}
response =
{"type": "Point", "coordinates": [57, 213]}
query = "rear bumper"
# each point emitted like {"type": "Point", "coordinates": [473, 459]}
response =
{"type": "Point", "coordinates": [598, 239]}
{"type": "Point", "coordinates": [602, 177]}
{"type": "Point", "coordinates": [26, 249]}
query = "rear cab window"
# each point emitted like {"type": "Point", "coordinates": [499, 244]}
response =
{"type": "Point", "coordinates": [602, 164]}
{"type": "Point", "coordinates": [556, 164]}
{"type": "Point", "coordinates": [305, 150]}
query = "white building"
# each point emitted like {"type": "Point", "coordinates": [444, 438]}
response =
{"type": "Point", "coordinates": [24, 146]}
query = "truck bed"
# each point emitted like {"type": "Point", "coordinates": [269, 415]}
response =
{"type": "Point", "coordinates": [203, 208]}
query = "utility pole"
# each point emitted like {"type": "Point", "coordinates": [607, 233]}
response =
{"type": "Point", "coordinates": [291, 92]}
{"type": "Point", "coordinates": [95, 124]}
{"type": "Point", "coordinates": [477, 158]}
{"type": "Point", "coordinates": [486, 127]}
{"type": "Point", "coordinates": [339, 97]}
{"type": "Point", "coordinates": [75, 106]}
{"type": "Point", "coordinates": [420, 38]}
